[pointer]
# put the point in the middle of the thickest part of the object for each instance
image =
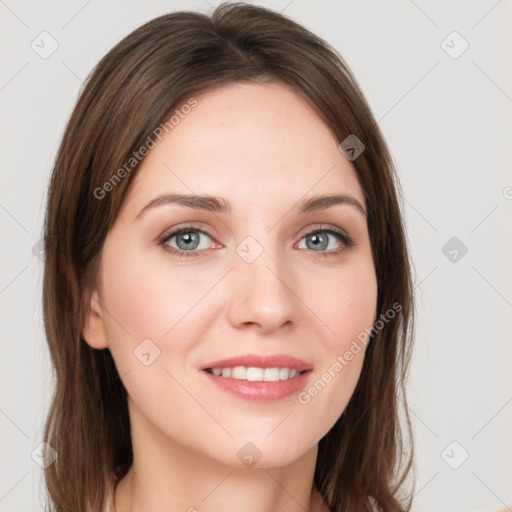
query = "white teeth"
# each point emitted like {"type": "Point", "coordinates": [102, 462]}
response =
{"type": "Point", "coordinates": [254, 374]}
{"type": "Point", "coordinates": [271, 374]}
{"type": "Point", "coordinates": [238, 372]}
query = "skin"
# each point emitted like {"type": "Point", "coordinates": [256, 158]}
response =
{"type": "Point", "coordinates": [263, 148]}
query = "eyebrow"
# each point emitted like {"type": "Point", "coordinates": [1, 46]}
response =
{"type": "Point", "coordinates": [220, 205]}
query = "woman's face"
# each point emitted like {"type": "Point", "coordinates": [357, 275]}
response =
{"type": "Point", "coordinates": [244, 280]}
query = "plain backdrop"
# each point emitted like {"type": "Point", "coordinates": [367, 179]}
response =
{"type": "Point", "coordinates": [437, 76]}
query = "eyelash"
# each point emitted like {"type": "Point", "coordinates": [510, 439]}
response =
{"type": "Point", "coordinates": [346, 241]}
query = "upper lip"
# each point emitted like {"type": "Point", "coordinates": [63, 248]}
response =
{"type": "Point", "coordinates": [261, 361]}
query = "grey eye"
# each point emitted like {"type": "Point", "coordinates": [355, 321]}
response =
{"type": "Point", "coordinates": [318, 241]}
{"type": "Point", "coordinates": [187, 240]}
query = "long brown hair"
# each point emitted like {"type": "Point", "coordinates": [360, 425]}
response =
{"type": "Point", "coordinates": [365, 459]}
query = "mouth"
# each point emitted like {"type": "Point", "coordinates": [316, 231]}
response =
{"type": "Point", "coordinates": [259, 378]}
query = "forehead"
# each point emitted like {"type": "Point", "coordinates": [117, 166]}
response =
{"type": "Point", "coordinates": [253, 143]}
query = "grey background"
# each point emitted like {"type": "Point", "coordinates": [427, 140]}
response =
{"type": "Point", "coordinates": [447, 121]}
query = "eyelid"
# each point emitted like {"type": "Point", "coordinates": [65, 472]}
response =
{"type": "Point", "coordinates": [328, 228]}
{"type": "Point", "coordinates": [179, 228]}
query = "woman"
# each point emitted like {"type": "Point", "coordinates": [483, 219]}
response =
{"type": "Point", "coordinates": [227, 290]}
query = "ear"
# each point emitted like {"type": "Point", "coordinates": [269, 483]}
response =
{"type": "Point", "coordinates": [94, 332]}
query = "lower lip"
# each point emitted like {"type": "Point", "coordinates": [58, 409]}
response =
{"type": "Point", "coordinates": [260, 391]}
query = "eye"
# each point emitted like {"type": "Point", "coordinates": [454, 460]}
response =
{"type": "Point", "coordinates": [320, 239]}
{"type": "Point", "coordinates": [188, 241]}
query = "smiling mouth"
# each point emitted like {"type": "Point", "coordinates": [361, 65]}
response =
{"type": "Point", "coordinates": [256, 374]}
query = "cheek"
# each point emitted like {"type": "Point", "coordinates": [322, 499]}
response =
{"type": "Point", "coordinates": [146, 307]}
{"type": "Point", "coordinates": [348, 308]}
{"type": "Point", "coordinates": [136, 303]}
{"type": "Point", "coordinates": [154, 308]}
{"type": "Point", "coordinates": [145, 300]}
{"type": "Point", "coordinates": [346, 304]}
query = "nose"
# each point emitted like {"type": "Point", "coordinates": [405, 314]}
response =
{"type": "Point", "coordinates": [262, 293]}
